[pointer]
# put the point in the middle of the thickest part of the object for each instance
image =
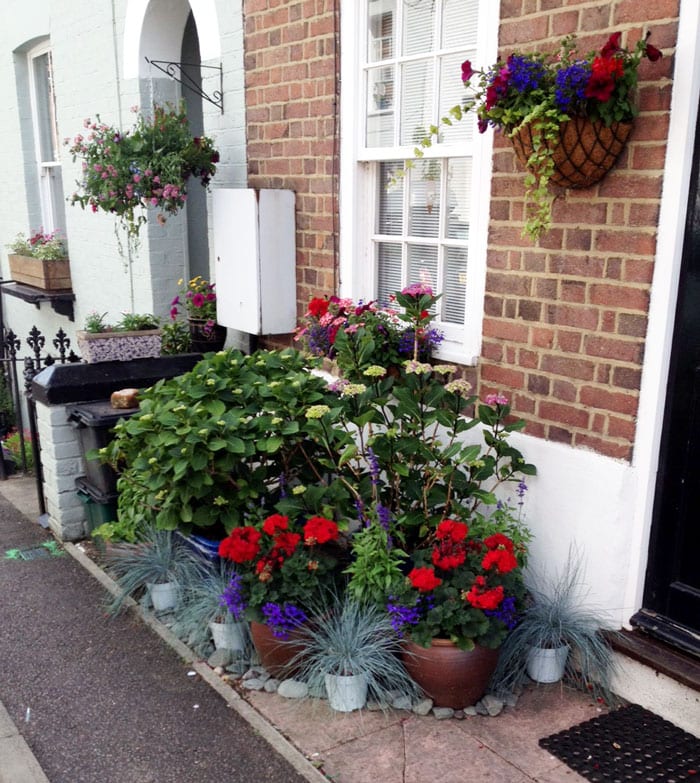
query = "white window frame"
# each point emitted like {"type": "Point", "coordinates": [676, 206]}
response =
{"type": "Point", "coordinates": [358, 195]}
{"type": "Point", "coordinates": [48, 171]}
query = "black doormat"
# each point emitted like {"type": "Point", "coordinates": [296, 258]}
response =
{"type": "Point", "coordinates": [628, 744]}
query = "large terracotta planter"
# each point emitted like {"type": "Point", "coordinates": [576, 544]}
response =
{"type": "Point", "coordinates": [585, 151]}
{"type": "Point", "coordinates": [119, 346]}
{"type": "Point", "coordinates": [275, 654]}
{"type": "Point", "coordinates": [47, 275]}
{"type": "Point", "coordinates": [450, 677]}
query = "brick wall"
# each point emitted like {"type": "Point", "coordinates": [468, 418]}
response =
{"type": "Point", "coordinates": [291, 67]}
{"type": "Point", "coordinates": [565, 321]}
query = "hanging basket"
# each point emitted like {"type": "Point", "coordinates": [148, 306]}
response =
{"type": "Point", "coordinates": [586, 150]}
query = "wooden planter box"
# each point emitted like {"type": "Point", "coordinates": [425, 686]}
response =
{"type": "Point", "coordinates": [47, 275]}
{"type": "Point", "coordinates": [119, 346]}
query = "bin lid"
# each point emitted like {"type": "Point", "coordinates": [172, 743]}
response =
{"type": "Point", "coordinates": [88, 488]}
{"type": "Point", "coordinates": [99, 413]}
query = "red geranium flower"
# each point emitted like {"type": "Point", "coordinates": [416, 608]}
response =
{"type": "Point", "coordinates": [498, 540]}
{"type": "Point", "coordinates": [275, 523]}
{"type": "Point", "coordinates": [241, 545]}
{"type": "Point", "coordinates": [480, 597]}
{"type": "Point", "coordinates": [451, 529]}
{"type": "Point", "coordinates": [424, 579]}
{"type": "Point", "coordinates": [319, 530]}
{"type": "Point", "coordinates": [285, 542]}
{"type": "Point", "coordinates": [504, 560]}
{"type": "Point", "coordinates": [318, 307]}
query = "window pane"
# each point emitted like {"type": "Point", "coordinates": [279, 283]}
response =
{"type": "Point", "coordinates": [388, 271]}
{"type": "Point", "coordinates": [424, 215]}
{"type": "Point", "coordinates": [459, 182]}
{"type": "Point", "coordinates": [460, 20]}
{"type": "Point", "coordinates": [381, 30]}
{"type": "Point", "coordinates": [416, 100]}
{"type": "Point", "coordinates": [454, 285]}
{"type": "Point", "coordinates": [380, 105]}
{"type": "Point", "coordinates": [46, 124]}
{"type": "Point", "coordinates": [423, 265]}
{"type": "Point", "coordinates": [418, 21]}
{"type": "Point", "coordinates": [452, 92]}
{"type": "Point", "coordinates": [390, 199]}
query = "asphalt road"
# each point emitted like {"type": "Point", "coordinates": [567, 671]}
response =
{"type": "Point", "coordinates": [104, 700]}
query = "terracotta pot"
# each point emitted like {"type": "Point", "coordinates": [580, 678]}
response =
{"type": "Point", "coordinates": [450, 677]}
{"type": "Point", "coordinates": [586, 150]}
{"type": "Point", "coordinates": [202, 339]}
{"type": "Point", "coordinates": [47, 275]}
{"type": "Point", "coordinates": [275, 654]}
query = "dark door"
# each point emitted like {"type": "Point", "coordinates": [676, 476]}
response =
{"type": "Point", "coordinates": [672, 588]}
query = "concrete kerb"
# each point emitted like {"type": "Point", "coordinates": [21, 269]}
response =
{"type": "Point", "coordinates": [18, 762]}
{"type": "Point", "coordinates": [233, 700]}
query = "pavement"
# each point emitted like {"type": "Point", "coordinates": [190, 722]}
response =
{"type": "Point", "coordinates": [85, 698]}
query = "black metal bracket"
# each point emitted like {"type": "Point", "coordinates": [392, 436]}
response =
{"type": "Point", "coordinates": [60, 301]}
{"type": "Point", "coordinates": [176, 71]}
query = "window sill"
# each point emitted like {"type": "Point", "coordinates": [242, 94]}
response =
{"type": "Point", "coordinates": [61, 301]}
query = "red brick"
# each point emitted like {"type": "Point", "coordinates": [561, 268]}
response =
{"type": "Point", "coordinates": [620, 296]}
{"type": "Point", "coordinates": [611, 348]}
{"type": "Point", "coordinates": [562, 414]}
{"type": "Point", "coordinates": [579, 317]}
{"type": "Point", "coordinates": [604, 399]}
{"type": "Point", "coordinates": [504, 377]}
{"type": "Point", "coordinates": [568, 367]}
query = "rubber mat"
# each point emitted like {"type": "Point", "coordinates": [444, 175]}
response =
{"type": "Point", "coordinates": [628, 744]}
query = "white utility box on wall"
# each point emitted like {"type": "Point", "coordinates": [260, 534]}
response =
{"type": "Point", "coordinates": [254, 243]}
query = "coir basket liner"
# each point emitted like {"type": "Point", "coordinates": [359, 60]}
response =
{"type": "Point", "coordinates": [585, 151]}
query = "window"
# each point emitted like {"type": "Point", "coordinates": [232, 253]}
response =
{"type": "Point", "coordinates": [46, 139]}
{"type": "Point", "coordinates": [430, 225]}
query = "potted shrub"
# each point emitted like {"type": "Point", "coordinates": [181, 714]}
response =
{"type": "Point", "coordinates": [158, 563]}
{"type": "Point", "coordinates": [40, 261]}
{"type": "Point", "coordinates": [134, 337]}
{"type": "Point", "coordinates": [358, 336]}
{"type": "Point", "coordinates": [350, 650]}
{"type": "Point", "coordinates": [568, 115]}
{"type": "Point", "coordinates": [198, 301]}
{"type": "Point", "coordinates": [284, 570]}
{"type": "Point", "coordinates": [557, 636]}
{"type": "Point", "coordinates": [209, 611]}
{"type": "Point", "coordinates": [456, 607]}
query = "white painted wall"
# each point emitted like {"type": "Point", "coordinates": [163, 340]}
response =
{"type": "Point", "coordinates": [90, 53]}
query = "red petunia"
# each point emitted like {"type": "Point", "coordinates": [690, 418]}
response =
{"type": "Point", "coordinates": [275, 523]}
{"type": "Point", "coordinates": [452, 530]}
{"type": "Point", "coordinates": [612, 45]}
{"type": "Point", "coordinates": [467, 71]}
{"type": "Point", "coordinates": [604, 73]}
{"type": "Point", "coordinates": [502, 559]}
{"type": "Point", "coordinates": [319, 530]}
{"type": "Point", "coordinates": [653, 53]}
{"type": "Point", "coordinates": [318, 307]}
{"type": "Point", "coordinates": [241, 545]}
{"type": "Point", "coordinates": [424, 579]}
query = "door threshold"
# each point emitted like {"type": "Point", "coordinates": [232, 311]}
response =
{"type": "Point", "coordinates": [659, 655]}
